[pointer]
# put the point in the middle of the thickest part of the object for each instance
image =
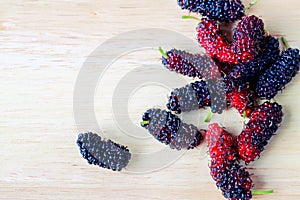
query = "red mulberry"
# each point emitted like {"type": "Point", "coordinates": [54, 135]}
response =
{"type": "Point", "coordinates": [222, 150]}
{"type": "Point", "coordinates": [246, 40]}
{"type": "Point", "coordinates": [263, 124]}
{"type": "Point", "coordinates": [244, 101]}
{"type": "Point", "coordinates": [231, 178]}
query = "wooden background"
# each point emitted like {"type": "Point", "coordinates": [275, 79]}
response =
{"type": "Point", "coordinates": [43, 44]}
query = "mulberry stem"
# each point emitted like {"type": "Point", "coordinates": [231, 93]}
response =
{"type": "Point", "coordinates": [144, 122]}
{"type": "Point", "coordinates": [163, 53]}
{"type": "Point", "coordinates": [251, 4]}
{"type": "Point", "coordinates": [257, 192]}
{"type": "Point", "coordinates": [285, 43]}
{"type": "Point", "coordinates": [244, 114]}
{"type": "Point", "coordinates": [190, 17]}
{"type": "Point", "coordinates": [207, 119]}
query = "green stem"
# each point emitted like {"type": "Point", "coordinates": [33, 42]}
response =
{"type": "Point", "coordinates": [251, 4]}
{"type": "Point", "coordinates": [244, 114]}
{"type": "Point", "coordinates": [208, 117]}
{"type": "Point", "coordinates": [144, 122]}
{"type": "Point", "coordinates": [162, 52]}
{"type": "Point", "coordinates": [257, 192]}
{"type": "Point", "coordinates": [190, 17]}
{"type": "Point", "coordinates": [285, 43]}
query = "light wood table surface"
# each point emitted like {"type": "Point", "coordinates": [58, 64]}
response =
{"type": "Point", "coordinates": [43, 45]}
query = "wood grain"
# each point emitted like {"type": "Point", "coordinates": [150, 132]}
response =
{"type": "Point", "coordinates": [43, 44]}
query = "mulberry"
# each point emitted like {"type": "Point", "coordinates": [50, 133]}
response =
{"type": "Point", "coordinates": [213, 41]}
{"type": "Point", "coordinates": [243, 100]}
{"type": "Point", "coordinates": [191, 97]}
{"type": "Point", "coordinates": [263, 124]}
{"type": "Point", "coordinates": [220, 10]}
{"type": "Point", "coordinates": [236, 183]}
{"type": "Point", "coordinates": [222, 150]}
{"type": "Point", "coordinates": [170, 130]}
{"type": "Point", "coordinates": [246, 40]}
{"type": "Point", "coordinates": [217, 91]}
{"type": "Point", "coordinates": [279, 74]}
{"type": "Point", "coordinates": [230, 177]}
{"type": "Point", "coordinates": [191, 65]}
{"type": "Point", "coordinates": [245, 75]}
{"type": "Point", "coordinates": [198, 95]}
{"type": "Point", "coordinates": [105, 154]}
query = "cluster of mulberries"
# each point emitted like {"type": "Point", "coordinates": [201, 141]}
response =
{"type": "Point", "coordinates": [192, 65]}
{"type": "Point", "coordinates": [167, 128]}
{"type": "Point", "coordinates": [263, 124]}
{"type": "Point", "coordinates": [105, 154]}
{"type": "Point", "coordinates": [279, 74]}
{"type": "Point", "coordinates": [235, 74]}
{"type": "Point", "coordinates": [233, 180]}
{"type": "Point", "coordinates": [247, 39]}
{"type": "Point", "coordinates": [219, 10]}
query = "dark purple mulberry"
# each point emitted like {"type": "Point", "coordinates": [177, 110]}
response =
{"type": "Point", "coordinates": [170, 130]}
{"type": "Point", "coordinates": [247, 74]}
{"type": "Point", "coordinates": [192, 65]}
{"type": "Point", "coordinates": [106, 154]}
{"type": "Point", "coordinates": [191, 97]}
{"type": "Point", "coordinates": [217, 93]}
{"type": "Point", "coordinates": [220, 10]}
{"type": "Point", "coordinates": [279, 74]}
{"type": "Point", "coordinates": [235, 183]}
{"type": "Point", "coordinates": [198, 95]}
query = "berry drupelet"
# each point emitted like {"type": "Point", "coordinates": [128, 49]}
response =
{"type": "Point", "coordinates": [246, 40]}
{"type": "Point", "coordinates": [230, 177]}
{"type": "Point", "coordinates": [191, 65]}
{"type": "Point", "coordinates": [263, 124]}
{"type": "Point", "coordinates": [170, 130]}
{"type": "Point", "coordinates": [219, 10]}
{"type": "Point", "coordinates": [244, 75]}
{"type": "Point", "coordinates": [279, 74]}
{"type": "Point", "coordinates": [105, 154]}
